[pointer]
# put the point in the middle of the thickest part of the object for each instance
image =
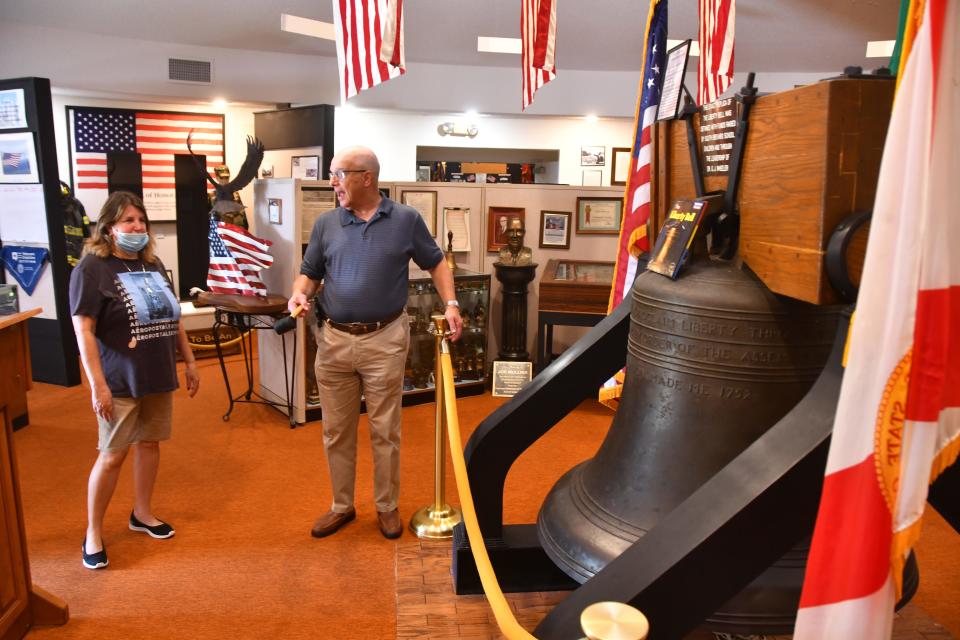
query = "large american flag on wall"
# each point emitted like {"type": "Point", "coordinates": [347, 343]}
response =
{"type": "Point", "coordinates": [636, 202]}
{"type": "Point", "coordinates": [156, 135]}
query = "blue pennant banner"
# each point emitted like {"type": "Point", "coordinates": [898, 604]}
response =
{"type": "Point", "coordinates": [26, 265]}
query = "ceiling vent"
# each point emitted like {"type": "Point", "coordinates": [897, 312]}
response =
{"type": "Point", "coordinates": [192, 71]}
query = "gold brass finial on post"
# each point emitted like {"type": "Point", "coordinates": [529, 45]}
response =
{"type": "Point", "coordinates": [613, 621]}
{"type": "Point", "coordinates": [438, 520]}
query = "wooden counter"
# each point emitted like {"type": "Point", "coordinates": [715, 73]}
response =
{"type": "Point", "coordinates": [22, 604]}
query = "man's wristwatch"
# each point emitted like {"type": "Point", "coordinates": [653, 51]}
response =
{"type": "Point", "coordinates": [453, 303]}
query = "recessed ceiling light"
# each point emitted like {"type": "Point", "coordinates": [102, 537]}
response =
{"type": "Point", "coordinates": [307, 27]}
{"type": "Point", "coordinates": [486, 44]}
{"type": "Point", "coordinates": [880, 48]}
{"type": "Point", "coordinates": [590, 117]}
{"type": "Point", "coordinates": [219, 103]}
{"type": "Point", "coordinates": [470, 113]}
{"type": "Point", "coordinates": [694, 46]}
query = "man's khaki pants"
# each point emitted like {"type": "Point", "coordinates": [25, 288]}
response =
{"type": "Point", "coordinates": [372, 365]}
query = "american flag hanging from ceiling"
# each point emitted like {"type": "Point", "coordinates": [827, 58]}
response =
{"type": "Point", "coordinates": [538, 36]}
{"type": "Point", "coordinates": [391, 51]}
{"type": "Point", "coordinates": [236, 259]}
{"type": "Point", "coordinates": [359, 29]}
{"type": "Point", "coordinates": [715, 72]}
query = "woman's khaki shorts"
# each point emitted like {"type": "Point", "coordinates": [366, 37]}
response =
{"type": "Point", "coordinates": [146, 419]}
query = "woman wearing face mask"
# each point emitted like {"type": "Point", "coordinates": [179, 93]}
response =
{"type": "Point", "coordinates": [127, 322]}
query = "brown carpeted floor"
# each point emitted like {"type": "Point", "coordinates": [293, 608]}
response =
{"type": "Point", "coordinates": [243, 494]}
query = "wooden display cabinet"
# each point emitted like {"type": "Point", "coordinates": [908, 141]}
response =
{"type": "Point", "coordinates": [574, 293]}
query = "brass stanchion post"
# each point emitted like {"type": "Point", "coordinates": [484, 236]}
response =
{"type": "Point", "coordinates": [613, 621]}
{"type": "Point", "coordinates": [438, 520]}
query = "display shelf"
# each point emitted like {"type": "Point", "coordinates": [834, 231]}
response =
{"type": "Point", "coordinates": [468, 354]}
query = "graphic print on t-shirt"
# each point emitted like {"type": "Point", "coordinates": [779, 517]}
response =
{"type": "Point", "coordinates": [152, 308]}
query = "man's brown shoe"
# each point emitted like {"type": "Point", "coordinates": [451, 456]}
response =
{"type": "Point", "coordinates": [390, 525]}
{"type": "Point", "coordinates": [330, 522]}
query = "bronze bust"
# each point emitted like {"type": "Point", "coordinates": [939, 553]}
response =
{"type": "Point", "coordinates": [515, 254]}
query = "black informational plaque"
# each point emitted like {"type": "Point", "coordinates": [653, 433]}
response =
{"type": "Point", "coordinates": [509, 377]}
{"type": "Point", "coordinates": [673, 81]}
{"type": "Point", "coordinates": [718, 128]}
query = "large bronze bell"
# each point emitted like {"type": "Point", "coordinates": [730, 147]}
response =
{"type": "Point", "coordinates": [714, 360]}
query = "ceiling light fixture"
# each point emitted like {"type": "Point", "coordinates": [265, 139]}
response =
{"type": "Point", "coordinates": [486, 44]}
{"type": "Point", "coordinates": [307, 27]}
{"type": "Point", "coordinates": [457, 129]}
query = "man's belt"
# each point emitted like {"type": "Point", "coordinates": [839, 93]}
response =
{"type": "Point", "coordinates": [360, 328]}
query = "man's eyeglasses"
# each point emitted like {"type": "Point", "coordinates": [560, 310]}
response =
{"type": "Point", "coordinates": [340, 174]}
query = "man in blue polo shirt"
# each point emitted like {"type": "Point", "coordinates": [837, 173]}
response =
{"type": "Point", "coordinates": [361, 252]}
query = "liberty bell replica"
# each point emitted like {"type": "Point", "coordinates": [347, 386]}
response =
{"type": "Point", "coordinates": [713, 360]}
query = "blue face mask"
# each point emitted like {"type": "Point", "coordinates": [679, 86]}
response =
{"type": "Point", "coordinates": [132, 242]}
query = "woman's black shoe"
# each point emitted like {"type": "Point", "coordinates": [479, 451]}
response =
{"type": "Point", "coordinates": [160, 531]}
{"type": "Point", "coordinates": [96, 560]}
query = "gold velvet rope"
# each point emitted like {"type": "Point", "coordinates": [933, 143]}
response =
{"type": "Point", "coordinates": [501, 609]}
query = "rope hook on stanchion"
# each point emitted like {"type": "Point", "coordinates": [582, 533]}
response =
{"type": "Point", "coordinates": [437, 521]}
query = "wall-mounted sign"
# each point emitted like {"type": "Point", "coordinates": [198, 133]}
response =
{"type": "Point", "coordinates": [718, 126]}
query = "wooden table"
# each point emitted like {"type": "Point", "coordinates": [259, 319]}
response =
{"type": "Point", "coordinates": [246, 314]}
{"type": "Point", "coordinates": [22, 604]}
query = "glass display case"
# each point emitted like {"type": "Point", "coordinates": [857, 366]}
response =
{"type": "Point", "coordinates": [572, 293]}
{"type": "Point", "coordinates": [469, 354]}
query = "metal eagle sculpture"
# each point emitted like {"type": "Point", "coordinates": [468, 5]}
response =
{"type": "Point", "coordinates": [226, 203]}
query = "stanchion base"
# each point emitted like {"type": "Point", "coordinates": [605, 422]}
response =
{"type": "Point", "coordinates": [435, 523]}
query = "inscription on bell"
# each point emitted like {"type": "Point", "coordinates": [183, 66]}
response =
{"type": "Point", "coordinates": [657, 376]}
{"type": "Point", "coordinates": [734, 393]}
{"type": "Point", "coordinates": [762, 357]}
{"type": "Point", "coordinates": [723, 391]}
{"type": "Point", "coordinates": [708, 352]}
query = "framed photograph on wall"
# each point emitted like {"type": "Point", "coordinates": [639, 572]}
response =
{"type": "Point", "coordinates": [592, 178]}
{"type": "Point", "coordinates": [555, 229]}
{"type": "Point", "coordinates": [670, 103]}
{"type": "Point", "coordinates": [19, 158]}
{"type": "Point", "coordinates": [592, 156]}
{"type": "Point", "coordinates": [305, 167]}
{"type": "Point", "coordinates": [497, 220]}
{"type": "Point", "coordinates": [456, 220]}
{"type": "Point", "coordinates": [425, 202]}
{"type": "Point", "coordinates": [13, 111]}
{"type": "Point", "coordinates": [599, 216]}
{"type": "Point", "coordinates": [620, 167]}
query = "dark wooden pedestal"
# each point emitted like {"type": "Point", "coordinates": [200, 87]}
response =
{"type": "Point", "coordinates": [513, 338]}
